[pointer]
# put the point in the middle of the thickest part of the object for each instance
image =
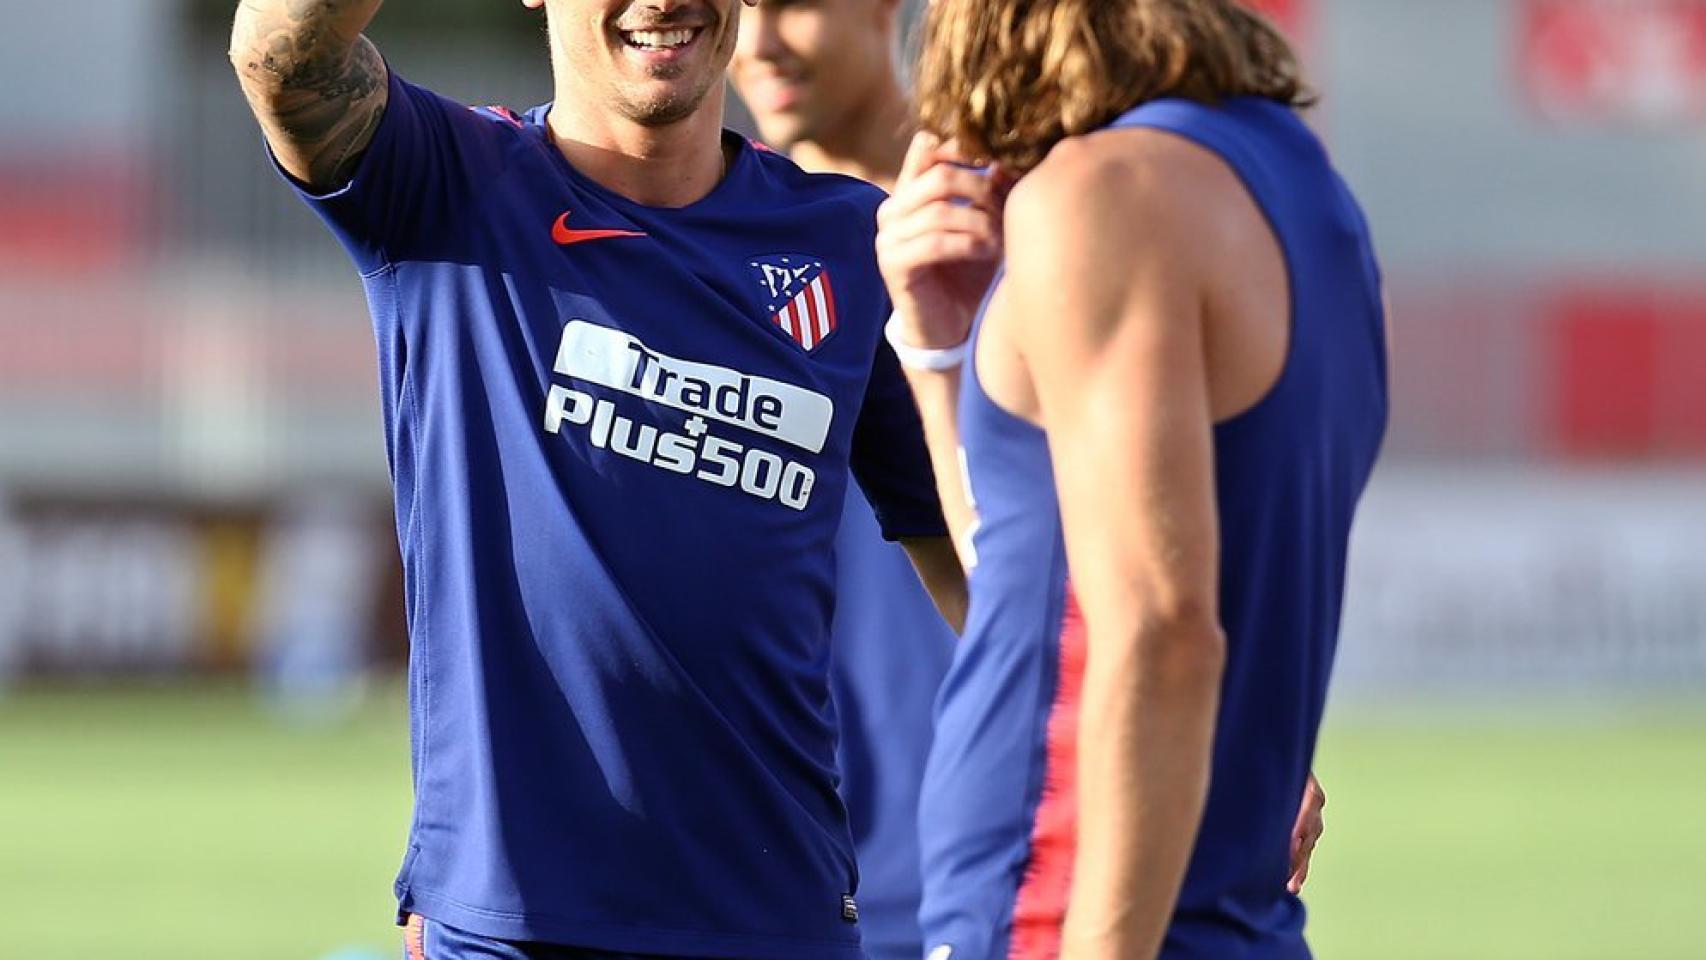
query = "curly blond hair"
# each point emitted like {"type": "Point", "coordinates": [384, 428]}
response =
{"type": "Point", "coordinates": [1011, 78]}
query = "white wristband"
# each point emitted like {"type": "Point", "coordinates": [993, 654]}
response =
{"type": "Point", "coordinates": [934, 359]}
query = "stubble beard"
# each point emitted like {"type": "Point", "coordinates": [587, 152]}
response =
{"type": "Point", "coordinates": [684, 96]}
{"type": "Point", "coordinates": [635, 105]}
{"type": "Point", "coordinates": [667, 107]}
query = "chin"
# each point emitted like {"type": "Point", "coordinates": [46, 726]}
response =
{"type": "Point", "coordinates": [665, 107]}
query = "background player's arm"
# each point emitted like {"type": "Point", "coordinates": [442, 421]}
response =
{"type": "Point", "coordinates": [317, 86]}
{"type": "Point", "coordinates": [1116, 359]}
{"type": "Point", "coordinates": [937, 394]}
{"type": "Point", "coordinates": [939, 569]}
{"type": "Point", "coordinates": [939, 243]}
{"type": "Point", "coordinates": [1306, 833]}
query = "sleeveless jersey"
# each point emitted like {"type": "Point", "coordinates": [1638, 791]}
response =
{"type": "Point", "coordinates": [619, 439]}
{"type": "Point", "coordinates": [998, 810]}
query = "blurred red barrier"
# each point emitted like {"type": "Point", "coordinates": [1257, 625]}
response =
{"type": "Point", "coordinates": [71, 213]}
{"type": "Point", "coordinates": [1295, 17]}
{"type": "Point", "coordinates": [1626, 360]}
{"type": "Point", "coordinates": [1617, 60]}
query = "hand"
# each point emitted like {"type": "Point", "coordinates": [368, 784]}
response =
{"type": "Point", "coordinates": [939, 241]}
{"type": "Point", "coordinates": [1306, 833]}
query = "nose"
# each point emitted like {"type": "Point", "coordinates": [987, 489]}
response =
{"type": "Point", "coordinates": [655, 10]}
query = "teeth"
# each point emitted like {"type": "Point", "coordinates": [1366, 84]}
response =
{"type": "Point", "coordinates": [660, 39]}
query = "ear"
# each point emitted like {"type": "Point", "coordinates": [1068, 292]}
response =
{"type": "Point", "coordinates": [533, 4]}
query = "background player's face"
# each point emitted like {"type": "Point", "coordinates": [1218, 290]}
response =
{"type": "Point", "coordinates": [804, 66]}
{"type": "Point", "coordinates": [651, 61]}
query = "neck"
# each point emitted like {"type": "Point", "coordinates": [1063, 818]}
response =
{"type": "Point", "coordinates": [664, 166]}
{"type": "Point", "coordinates": [870, 144]}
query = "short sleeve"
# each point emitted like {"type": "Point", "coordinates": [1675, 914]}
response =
{"type": "Point", "coordinates": [408, 170]}
{"type": "Point", "coordinates": [890, 459]}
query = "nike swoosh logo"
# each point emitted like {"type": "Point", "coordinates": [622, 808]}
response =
{"type": "Point", "coordinates": [564, 236]}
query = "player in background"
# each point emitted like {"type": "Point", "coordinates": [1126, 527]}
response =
{"type": "Point", "coordinates": [1169, 404]}
{"type": "Point", "coordinates": [819, 78]}
{"type": "Point", "coordinates": [626, 362]}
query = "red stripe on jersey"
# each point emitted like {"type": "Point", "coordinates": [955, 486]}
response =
{"type": "Point", "coordinates": [1040, 910]}
{"type": "Point", "coordinates": [819, 309]}
{"type": "Point", "coordinates": [828, 299]}
{"type": "Point", "coordinates": [503, 113]}
{"type": "Point", "coordinates": [801, 335]}
{"type": "Point", "coordinates": [414, 936]}
{"type": "Point", "coordinates": [808, 310]}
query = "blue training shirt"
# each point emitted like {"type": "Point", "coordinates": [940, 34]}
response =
{"type": "Point", "coordinates": [619, 438]}
{"type": "Point", "coordinates": [999, 802]}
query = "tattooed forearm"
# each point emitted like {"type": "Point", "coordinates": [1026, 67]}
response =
{"type": "Point", "coordinates": [315, 83]}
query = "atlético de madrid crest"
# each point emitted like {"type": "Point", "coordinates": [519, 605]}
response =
{"type": "Point", "coordinates": [800, 299]}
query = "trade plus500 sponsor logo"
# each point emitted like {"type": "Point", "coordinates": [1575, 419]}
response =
{"type": "Point", "coordinates": [707, 394]}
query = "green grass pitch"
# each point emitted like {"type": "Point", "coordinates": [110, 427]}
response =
{"type": "Point", "coordinates": [188, 823]}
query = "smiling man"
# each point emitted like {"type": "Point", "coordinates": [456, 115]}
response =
{"type": "Point", "coordinates": [626, 362]}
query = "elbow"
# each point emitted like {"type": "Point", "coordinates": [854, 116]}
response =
{"type": "Point", "coordinates": [243, 63]}
{"type": "Point", "coordinates": [1182, 642]}
{"type": "Point", "coordinates": [243, 53]}
{"type": "Point", "coordinates": [250, 64]}
{"type": "Point", "coordinates": [266, 64]}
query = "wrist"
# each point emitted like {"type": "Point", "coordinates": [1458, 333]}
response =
{"type": "Point", "coordinates": [914, 351]}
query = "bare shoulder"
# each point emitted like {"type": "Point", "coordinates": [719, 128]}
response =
{"type": "Point", "coordinates": [1142, 198]}
{"type": "Point", "coordinates": [1140, 188]}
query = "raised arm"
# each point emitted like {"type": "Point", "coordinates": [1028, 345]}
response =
{"type": "Point", "coordinates": [939, 243]}
{"type": "Point", "coordinates": [317, 86]}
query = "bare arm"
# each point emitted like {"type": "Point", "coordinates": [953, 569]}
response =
{"type": "Point", "coordinates": [317, 86]}
{"type": "Point", "coordinates": [939, 242]}
{"type": "Point", "coordinates": [1116, 358]}
{"type": "Point", "coordinates": [937, 394]}
{"type": "Point", "coordinates": [939, 569]}
{"type": "Point", "coordinates": [1306, 833]}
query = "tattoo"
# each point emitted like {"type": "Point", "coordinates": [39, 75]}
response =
{"type": "Point", "coordinates": [317, 86]}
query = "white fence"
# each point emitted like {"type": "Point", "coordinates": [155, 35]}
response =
{"type": "Point", "coordinates": [1511, 582]}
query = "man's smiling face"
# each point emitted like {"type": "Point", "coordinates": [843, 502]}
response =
{"type": "Point", "coordinates": [652, 62]}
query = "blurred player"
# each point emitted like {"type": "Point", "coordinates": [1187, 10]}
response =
{"type": "Point", "coordinates": [819, 77]}
{"type": "Point", "coordinates": [626, 361]}
{"type": "Point", "coordinates": [1176, 392]}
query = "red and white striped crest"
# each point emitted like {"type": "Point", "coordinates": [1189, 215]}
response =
{"type": "Point", "coordinates": [801, 299]}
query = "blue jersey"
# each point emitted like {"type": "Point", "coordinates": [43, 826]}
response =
{"type": "Point", "coordinates": [998, 809]}
{"type": "Point", "coordinates": [619, 438]}
{"type": "Point", "coordinates": [890, 650]}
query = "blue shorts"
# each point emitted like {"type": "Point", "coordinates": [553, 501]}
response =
{"type": "Point", "coordinates": [425, 939]}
